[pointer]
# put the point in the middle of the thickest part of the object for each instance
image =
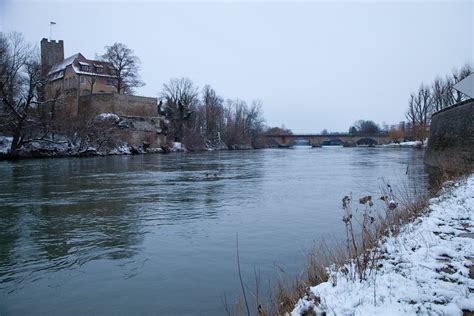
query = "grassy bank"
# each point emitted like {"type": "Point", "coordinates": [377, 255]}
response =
{"type": "Point", "coordinates": [369, 221]}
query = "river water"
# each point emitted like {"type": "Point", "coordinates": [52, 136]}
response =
{"type": "Point", "coordinates": [156, 234]}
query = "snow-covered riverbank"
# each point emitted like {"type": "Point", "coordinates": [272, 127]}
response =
{"type": "Point", "coordinates": [426, 269]}
{"type": "Point", "coordinates": [414, 144]}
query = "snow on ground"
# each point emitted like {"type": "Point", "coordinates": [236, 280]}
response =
{"type": "Point", "coordinates": [121, 150]}
{"type": "Point", "coordinates": [416, 143]}
{"type": "Point", "coordinates": [177, 146]}
{"type": "Point", "coordinates": [427, 268]}
{"type": "Point", "coordinates": [108, 117]}
{"type": "Point", "coordinates": [5, 144]}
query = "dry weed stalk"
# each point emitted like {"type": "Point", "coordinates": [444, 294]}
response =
{"type": "Point", "coordinates": [358, 256]}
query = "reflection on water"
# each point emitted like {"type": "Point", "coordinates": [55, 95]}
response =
{"type": "Point", "coordinates": [156, 233]}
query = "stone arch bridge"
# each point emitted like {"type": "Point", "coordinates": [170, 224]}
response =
{"type": "Point", "coordinates": [316, 140]}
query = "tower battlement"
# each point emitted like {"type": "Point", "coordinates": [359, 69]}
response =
{"type": "Point", "coordinates": [52, 52]}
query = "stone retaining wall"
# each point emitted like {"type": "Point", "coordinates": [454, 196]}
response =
{"type": "Point", "coordinates": [143, 132]}
{"type": "Point", "coordinates": [451, 140]}
{"type": "Point", "coordinates": [119, 104]}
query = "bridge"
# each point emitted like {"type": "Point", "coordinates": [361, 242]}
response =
{"type": "Point", "coordinates": [317, 140]}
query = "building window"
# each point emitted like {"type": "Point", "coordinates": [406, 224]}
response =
{"type": "Point", "coordinates": [86, 92]}
{"type": "Point", "coordinates": [99, 68]}
{"type": "Point", "coordinates": [111, 82]}
{"type": "Point", "coordinates": [83, 79]}
{"type": "Point", "coordinates": [85, 66]}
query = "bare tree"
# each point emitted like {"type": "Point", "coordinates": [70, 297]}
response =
{"type": "Point", "coordinates": [21, 79]}
{"type": "Point", "coordinates": [450, 95]}
{"type": "Point", "coordinates": [396, 135]}
{"type": "Point", "coordinates": [254, 123]}
{"type": "Point", "coordinates": [419, 112]}
{"type": "Point", "coordinates": [15, 53]}
{"type": "Point", "coordinates": [27, 116]}
{"type": "Point", "coordinates": [411, 113]}
{"type": "Point", "coordinates": [438, 91]}
{"type": "Point", "coordinates": [91, 80]}
{"type": "Point", "coordinates": [428, 100]}
{"type": "Point", "coordinates": [423, 105]}
{"type": "Point", "coordinates": [235, 113]}
{"type": "Point", "coordinates": [125, 66]}
{"type": "Point", "coordinates": [213, 117]}
{"type": "Point", "coordinates": [363, 127]}
{"type": "Point", "coordinates": [465, 71]}
{"type": "Point", "coordinates": [181, 100]}
{"type": "Point", "coordinates": [277, 131]}
{"type": "Point", "coordinates": [4, 50]}
{"type": "Point", "coordinates": [244, 124]}
{"type": "Point", "coordinates": [419, 106]}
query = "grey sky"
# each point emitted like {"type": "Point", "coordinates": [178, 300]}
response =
{"type": "Point", "coordinates": [314, 65]}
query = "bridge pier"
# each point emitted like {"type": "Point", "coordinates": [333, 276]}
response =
{"type": "Point", "coordinates": [349, 144]}
{"type": "Point", "coordinates": [284, 141]}
{"type": "Point", "coordinates": [315, 142]}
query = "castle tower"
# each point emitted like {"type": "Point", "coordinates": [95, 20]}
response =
{"type": "Point", "coordinates": [52, 52]}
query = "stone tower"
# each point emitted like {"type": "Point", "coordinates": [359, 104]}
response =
{"type": "Point", "coordinates": [52, 52]}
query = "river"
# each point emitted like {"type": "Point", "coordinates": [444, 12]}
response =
{"type": "Point", "coordinates": [156, 234]}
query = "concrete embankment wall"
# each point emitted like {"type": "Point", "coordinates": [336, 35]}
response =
{"type": "Point", "coordinates": [451, 140]}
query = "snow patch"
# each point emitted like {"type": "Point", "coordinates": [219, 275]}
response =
{"type": "Point", "coordinates": [425, 269]}
{"type": "Point", "coordinates": [121, 150]}
{"type": "Point", "coordinates": [177, 146]}
{"type": "Point", "coordinates": [5, 144]}
{"type": "Point", "coordinates": [108, 117]}
{"type": "Point", "coordinates": [416, 144]}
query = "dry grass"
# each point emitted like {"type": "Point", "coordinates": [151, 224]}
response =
{"type": "Point", "coordinates": [358, 255]}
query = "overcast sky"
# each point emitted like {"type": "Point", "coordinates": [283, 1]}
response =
{"type": "Point", "coordinates": [314, 65]}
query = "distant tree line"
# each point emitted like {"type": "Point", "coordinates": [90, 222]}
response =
{"type": "Point", "coordinates": [199, 118]}
{"type": "Point", "coordinates": [433, 98]}
{"type": "Point", "coordinates": [422, 104]}
{"type": "Point", "coordinates": [203, 119]}
{"type": "Point", "coordinates": [365, 127]}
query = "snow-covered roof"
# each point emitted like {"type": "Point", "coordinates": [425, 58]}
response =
{"type": "Point", "coordinates": [57, 70]}
{"type": "Point", "coordinates": [81, 72]}
{"type": "Point", "coordinates": [56, 76]}
{"type": "Point", "coordinates": [62, 65]}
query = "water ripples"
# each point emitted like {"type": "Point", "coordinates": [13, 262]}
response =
{"type": "Point", "coordinates": [151, 220]}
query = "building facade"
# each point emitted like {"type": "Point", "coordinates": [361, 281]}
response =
{"type": "Point", "coordinates": [78, 88]}
{"type": "Point", "coordinates": [74, 76]}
